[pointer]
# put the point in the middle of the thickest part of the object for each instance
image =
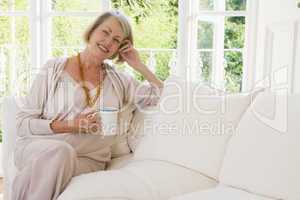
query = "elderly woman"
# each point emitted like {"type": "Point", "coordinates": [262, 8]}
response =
{"type": "Point", "coordinates": [56, 141]}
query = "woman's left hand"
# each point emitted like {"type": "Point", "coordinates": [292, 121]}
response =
{"type": "Point", "coordinates": [131, 55]}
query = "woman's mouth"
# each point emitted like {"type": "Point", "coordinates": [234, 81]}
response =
{"type": "Point", "coordinates": [102, 48]}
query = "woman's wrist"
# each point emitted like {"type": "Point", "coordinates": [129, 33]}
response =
{"type": "Point", "coordinates": [140, 67]}
{"type": "Point", "coordinates": [61, 126]}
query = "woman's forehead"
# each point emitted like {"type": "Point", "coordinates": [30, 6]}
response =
{"type": "Point", "coordinates": [113, 26]}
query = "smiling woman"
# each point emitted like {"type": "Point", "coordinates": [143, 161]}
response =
{"type": "Point", "coordinates": [106, 26]}
{"type": "Point", "coordinates": [61, 109]}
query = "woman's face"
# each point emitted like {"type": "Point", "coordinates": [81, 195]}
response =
{"type": "Point", "coordinates": [106, 39]}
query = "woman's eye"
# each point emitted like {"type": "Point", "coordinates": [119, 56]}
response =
{"type": "Point", "coordinates": [105, 32]}
{"type": "Point", "coordinates": [117, 41]}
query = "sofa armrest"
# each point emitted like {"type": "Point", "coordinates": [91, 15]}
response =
{"type": "Point", "coordinates": [9, 131]}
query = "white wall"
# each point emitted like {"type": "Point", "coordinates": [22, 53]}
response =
{"type": "Point", "coordinates": [278, 43]}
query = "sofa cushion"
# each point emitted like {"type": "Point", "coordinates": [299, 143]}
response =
{"type": "Point", "coordinates": [138, 180]}
{"type": "Point", "coordinates": [221, 193]}
{"type": "Point", "coordinates": [192, 126]}
{"type": "Point", "coordinates": [117, 163]}
{"type": "Point", "coordinates": [263, 156]}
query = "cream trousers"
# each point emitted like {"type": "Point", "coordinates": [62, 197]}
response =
{"type": "Point", "coordinates": [47, 164]}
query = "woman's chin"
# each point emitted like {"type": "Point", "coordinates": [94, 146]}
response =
{"type": "Point", "coordinates": [99, 55]}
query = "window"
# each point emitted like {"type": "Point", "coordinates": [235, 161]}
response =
{"type": "Point", "coordinates": [31, 31]}
{"type": "Point", "coordinates": [155, 25]}
{"type": "Point", "coordinates": [215, 37]}
{"type": "Point", "coordinates": [15, 40]}
{"type": "Point", "coordinates": [68, 19]}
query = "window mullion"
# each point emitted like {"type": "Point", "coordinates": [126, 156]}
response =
{"type": "Point", "coordinates": [221, 13]}
{"type": "Point", "coordinates": [249, 53]}
{"type": "Point", "coordinates": [45, 31]}
{"type": "Point", "coordinates": [15, 13]}
{"type": "Point", "coordinates": [34, 34]}
{"type": "Point", "coordinates": [12, 52]}
{"type": "Point", "coordinates": [218, 58]}
{"type": "Point", "coordinates": [184, 37]}
{"type": "Point", "coordinates": [75, 14]}
{"type": "Point", "coordinates": [105, 5]}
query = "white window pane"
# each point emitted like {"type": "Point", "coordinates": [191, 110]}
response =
{"type": "Point", "coordinates": [236, 5]}
{"type": "Point", "coordinates": [204, 64]}
{"type": "Point", "coordinates": [15, 70]}
{"type": "Point", "coordinates": [230, 5]}
{"type": "Point", "coordinates": [5, 33]}
{"type": "Point", "coordinates": [14, 55]}
{"type": "Point", "coordinates": [234, 32]}
{"type": "Point", "coordinates": [22, 30]}
{"type": "Point", "coordinates": [162, 64]}
{"type": "Point", "coordinates": [10, 5]}
{"type": "Point", "coordinates": [233, 70]}
{"type": "Point", "coordinates": [206, 4]}
{"type": "Point", "coordinates": [67, 33]}
{"type": "Point", "coordinates": [76, 5]}
{"type": "Point", "coordinates": [24, 70]}
{"type": "Point", "coordinates": [205, 35]}
{"type": "Point", "coordinates": [14, 30]}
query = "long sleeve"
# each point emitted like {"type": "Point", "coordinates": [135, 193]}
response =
{"type": "Point", "coordinates": [142, 94]}
{"type": "Point", "coordinates": [29, 117]}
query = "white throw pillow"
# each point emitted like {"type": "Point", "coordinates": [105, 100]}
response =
{"type": "Point", "coordinates": [264, 155]}
{"type": "Point", "coordinates": [192, 126]}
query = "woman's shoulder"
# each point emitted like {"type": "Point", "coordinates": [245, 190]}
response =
{"type": "Point", "coordinates": [54, 65]}
{"type": "Point", "coordinates": [112, 68]}
{"type": "Point", "coordinates": [55, 62]}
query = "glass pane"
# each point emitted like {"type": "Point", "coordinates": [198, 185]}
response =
{"type": "Point", "coordinates": [205, 35]}
{"type": "Point", "coordinates": [22, 30]}
{"type": "Point", "coordinates": [76, 5]}
{"type": "Point", "coordinates": [205, 64]}
{"type": "Point", "coordinates": [144, 55]}
{"type": "Point", "coordinates": [5, 33]}
{"type": "Point", "coordinates": [234, 32]}
{"type": "Point", "coordinates": [14, 30]}
{"type": "Point", "coordinates": [222, 5]}
{"type": "Point", "coordinates": [21, 5]}
{"type": "Point", "coordinates": [14, 52]}
{"type": "Point", "coordinates": [14, 69]}
{"type": "Point", "coordinates": [236, 5]}
{"type": "Point", "coordinates": [162, 64]}
{"type": "Point", "coordinates": [67, 33]}
{"type": "Point", "coordinates": [206, 4]}
{"type": "Point", "coordinates": [4, 70]}
{"type": "Point", "coordinates": [233, 70]}
{"type": "Point", "coordinates": [10, 5]}
{"type": "Point", "coordinates": [24, 70]}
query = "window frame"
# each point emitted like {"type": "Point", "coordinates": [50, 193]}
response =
{"type": "Point", "coordinates": [187, 43]}
{"type": "Point", "coordinates": [41, 30]}
{"type": "Point", "coordinates": [12, 13]}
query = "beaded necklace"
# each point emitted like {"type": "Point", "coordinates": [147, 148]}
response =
{"type": "Point", "coordinates": [90, 101]}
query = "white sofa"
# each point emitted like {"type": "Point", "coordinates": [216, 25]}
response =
{"type": "Point", "coordinates": [198, 144]}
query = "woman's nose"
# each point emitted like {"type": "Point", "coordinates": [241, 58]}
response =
{"type": "Point", "coordinates": [108, 41]}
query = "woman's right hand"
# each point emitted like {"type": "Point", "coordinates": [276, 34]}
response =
{"type": "Point", "coordinates": [87, 123]}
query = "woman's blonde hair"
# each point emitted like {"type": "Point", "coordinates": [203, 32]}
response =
{"type": "Point", "coordinates": [125, 26]}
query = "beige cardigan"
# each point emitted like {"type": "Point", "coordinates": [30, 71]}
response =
{"type": "Point", "coordinates": [32, 121]}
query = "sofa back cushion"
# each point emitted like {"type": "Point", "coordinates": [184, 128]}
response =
{"type": "Point", "coordinates": [191, 127]}
{"type": "Point", "coordinates": [264, 155]}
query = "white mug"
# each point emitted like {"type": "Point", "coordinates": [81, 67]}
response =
{"type": "Point", "coordinates": [109, 119]}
